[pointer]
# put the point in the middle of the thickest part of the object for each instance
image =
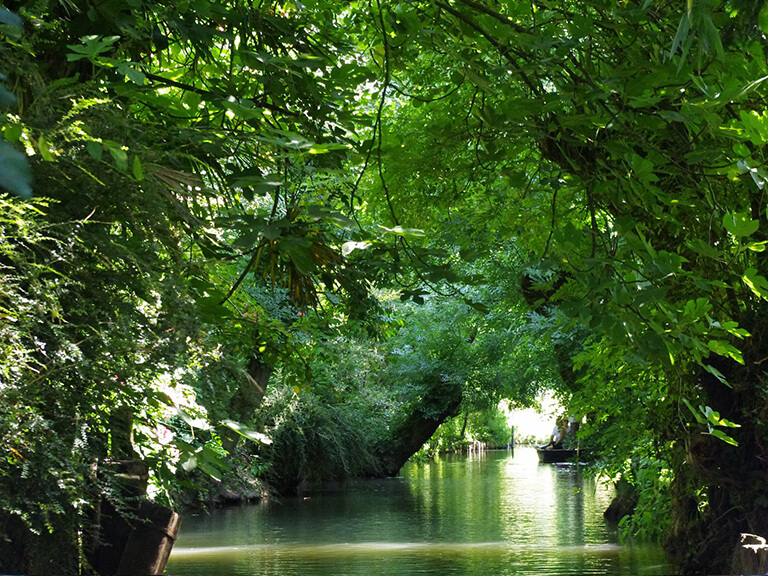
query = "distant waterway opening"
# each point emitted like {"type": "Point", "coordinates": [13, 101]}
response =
{"type": "Point", "coordinates": [496, 512]}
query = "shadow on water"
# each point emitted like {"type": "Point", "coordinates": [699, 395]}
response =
{"type": "Point", "coordinates": [500, 514]}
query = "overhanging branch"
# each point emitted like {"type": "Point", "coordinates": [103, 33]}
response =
{"type": "Point", "coordinates": [258, 102]}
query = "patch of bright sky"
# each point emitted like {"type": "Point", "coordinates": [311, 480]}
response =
{"type": "Point", "coordinates": [536, 423]}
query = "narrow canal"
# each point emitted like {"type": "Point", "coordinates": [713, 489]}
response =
{"type": "Point", "coordinates": [498, 513]}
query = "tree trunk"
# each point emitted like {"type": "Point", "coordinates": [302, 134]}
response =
{"type": "Point", "coordinates": [733, 479]}
{"type": "Point", "coordinates": [464, 425]}
{"type": "Point", "coordinates": [412, 432]}
{"type": "Point", "coordinates": [247, 399]}
{"type": "Point", "coordinates": [252, 389]}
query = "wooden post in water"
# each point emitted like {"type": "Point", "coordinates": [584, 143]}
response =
{"type": "Point", "coordinates": [150, 541]}
{"type": "Point", "coordinates": [136, 539]}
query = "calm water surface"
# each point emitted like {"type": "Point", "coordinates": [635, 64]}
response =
{"type": "Point", "coordinates": [500, 513]}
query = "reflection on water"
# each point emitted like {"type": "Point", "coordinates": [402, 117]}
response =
{"type": "Point", "coordinates": [499, 514]}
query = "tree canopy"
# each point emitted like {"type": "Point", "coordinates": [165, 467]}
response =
{"type": "Point", "coordinates": [225, 219]}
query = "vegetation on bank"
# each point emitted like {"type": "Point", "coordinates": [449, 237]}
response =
{"type": "Point", "coordinates": [286, 240]}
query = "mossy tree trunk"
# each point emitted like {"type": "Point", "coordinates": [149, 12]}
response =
{"type": "Point", "coordinates": [411, 432]}
{"type": "Point", "coordinates": [721, 490]}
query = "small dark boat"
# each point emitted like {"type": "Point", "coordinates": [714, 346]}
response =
{"type": "Point", "coordinates": [555, 455]}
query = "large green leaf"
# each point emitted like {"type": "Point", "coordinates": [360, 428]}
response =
{"type": "Point", "coordinates": [740, 224]}
{"type": "Point", "coordinates": [15, 175]}
{"type": "Point", "coordinates": [757, 283]}
{"type": "Point", "coordinates": [247, 432]}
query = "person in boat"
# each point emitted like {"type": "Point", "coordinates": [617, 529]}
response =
{"type": "Point", "coordinates": [556, 442]}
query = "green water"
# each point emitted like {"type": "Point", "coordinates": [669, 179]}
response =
{"type": "Point", "coordinates": [498, 514]}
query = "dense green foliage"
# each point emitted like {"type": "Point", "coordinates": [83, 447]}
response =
{"type": "Point", "coordinates": [343, 223]}
{"type": "Point", "coordinates": [621, 143]}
